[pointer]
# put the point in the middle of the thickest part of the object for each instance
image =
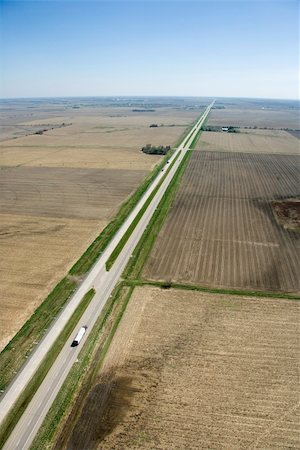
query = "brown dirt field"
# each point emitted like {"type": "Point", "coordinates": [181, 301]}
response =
{"type": "Point", "coordinates": [97, 141]}
{"type": "Point", "coordinates": [288, 213]}
{"type": "Point", "coordinates": [36, 252]}
{"type": "Point", "coordinates": [65, 192]}
{"type": "Point", "coordinates": [248, 142]}
{"type": "Point", "coordinates": [48, 219]}
{"type": "Point", "coordinates": [90, 158]}
{"type": "Point", "coordinates": [241, 117]}
{"type": "Point", "coordinates": [194, 370]}
{"type": "Point", "coordinates": [221, 231]}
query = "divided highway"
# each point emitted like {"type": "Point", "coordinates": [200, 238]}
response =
{"type": "Point", "coordinates": [103, 282]}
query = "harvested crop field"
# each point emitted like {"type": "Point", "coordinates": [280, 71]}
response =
{"type": "Point", "coordinates": [280, 143]}
{"type": "Point", "coordinates": [221, 230]}
{"type": "Point", "coordinates": [66, 167]}
{"type": "Point", "coordinates": [256, 117]}
{"type": "Point", "coordinates": [49, 216]}
{"type": "Point", "coordinates": [194, 370]}
{"type": "Point", "coordinates": [104, 141]}
{"type": "Point", "coordinates": [36, 252]}
{"type": "Point", "coordinates": [65, 192]}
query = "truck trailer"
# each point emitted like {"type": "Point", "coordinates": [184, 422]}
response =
{"type": "Point", "coordinates": [79, 336]}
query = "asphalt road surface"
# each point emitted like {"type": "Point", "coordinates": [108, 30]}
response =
{"type": "Point", "coordinates": [103, 282]}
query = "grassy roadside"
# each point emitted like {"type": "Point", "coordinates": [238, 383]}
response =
{"type": "Point", "coordinates": [109, 263]}
{"type": "Point", "coordinates": [186, 131]}
{"type": "Point", "coordinates": [87, 260]}
{"type": "Point", "coordinates": [67, 405]}
{"type": "Point", "coordinates": [146, 242]}
{"type": "Point", "coordinates": [193, 287]}
{"type": "Point", "coordinates": [17, 350]}
{"type": "Point", "coordinates": [196, 139]}
{"type": "Point", "coordinates": [26, 396]}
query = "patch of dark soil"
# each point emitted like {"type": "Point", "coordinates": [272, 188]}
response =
{"type": "Point", "coordinates": [287, 213]}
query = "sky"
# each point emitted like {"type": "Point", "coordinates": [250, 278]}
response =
{"type": "Point", "coordinates": [163, 48]}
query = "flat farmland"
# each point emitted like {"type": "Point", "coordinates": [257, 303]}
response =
{"type": "Point", "coordinates": [65, 170]}
{"type": "Point", "coordinates": [48, 217]}
{"type": "Point", "coordinates": [221, 231]}
{"type": "Point", "coordinates": [36, 253]}
{"type": "Point", "coordinates": [66, 192]}
{"type": "Point", "coordinates": [104, 141]}
{"type": "Point", "coordinates": [255, 117]}
{"type": "Point", "coordinates": [194, 370]}
{"type": "Point", "coordinates": [266, 141]}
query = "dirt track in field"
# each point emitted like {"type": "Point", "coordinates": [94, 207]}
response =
{"type": "Point", "coordinates": [221, 230]}
{"type": "Point", "coordinates": [249, 142]}
{"type": "Point", "coordinates": [195, 370]}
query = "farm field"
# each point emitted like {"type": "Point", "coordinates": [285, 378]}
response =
{"type": "Point", "coordinates": [48, 218]}
{"type": "Point", "coordinates": [255, 117]}
{"type": "Point", "coordinates": [61, 187]}
{"type": "Point", "coordinates": [36, 253]}
{"type": "Point", "coordinates": [195, 370]}
{"type": "Point", "coordinates": [221, 230]}
{"type": "Point", "coordinates": [266, 141]}
{"type": "Point", "coordinates": [105, 142]}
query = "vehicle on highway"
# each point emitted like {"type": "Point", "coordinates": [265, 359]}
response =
{"type": "Point", "coordinates": [79, 336]}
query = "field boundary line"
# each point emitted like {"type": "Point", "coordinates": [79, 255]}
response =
{"type": "Point", "coordinates": [192, 287]}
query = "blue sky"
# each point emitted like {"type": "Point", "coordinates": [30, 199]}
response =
{"type": "Point", "coordinates": [189, 48]}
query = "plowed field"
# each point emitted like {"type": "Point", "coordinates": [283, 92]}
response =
{"type": "Point", "coordinates": [190, 370]}
{"type": "Point", "coordinates": [221, 229]}
{"type": "Point", "coordinates": [258, 117]}
{"type": "Point", "coordinates": [249, 142]}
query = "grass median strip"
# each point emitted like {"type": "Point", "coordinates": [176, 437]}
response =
{"type": "Point", "coordinates": [66, 407]}
{"type": "Point", "coordinates": [195, 140]}
{"type": "Point", "coordinates": [17, 350]}
{"type": "Point", "coordinates": [93, 252]}
{"type": "Point", "coordinates": [124, 239]}
{"type": "Point", "coordinates": [26, 396]}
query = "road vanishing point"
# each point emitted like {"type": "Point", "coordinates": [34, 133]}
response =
{"type": "Point", "coordinates": [103, 282]}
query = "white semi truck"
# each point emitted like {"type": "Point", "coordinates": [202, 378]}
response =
{"type": "Point", "coordinates": [79, 336]}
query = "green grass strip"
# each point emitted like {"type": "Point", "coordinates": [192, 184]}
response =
{"type": "Point", "coordinates": [142, 250]}
{"type": "Point", "coordinates": [26, 396]}
{"type": "Point", "coordinates": [195, 140]}
{"type": "Point", "coordinates": [90, 256]}
{"type": "Point", "coordinates": [17, 350]}
{"type": "Point", "coordinates": [119, 247]}
{"type": "Point", "coordinates": [83, 372]}
{"type": "Point", "coordinates": [192, 287]}
{"type": "Point", "coordinates": [186, 131]}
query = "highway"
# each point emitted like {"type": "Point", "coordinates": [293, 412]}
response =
{"type": "Point", "coordinates": [103, 283]}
